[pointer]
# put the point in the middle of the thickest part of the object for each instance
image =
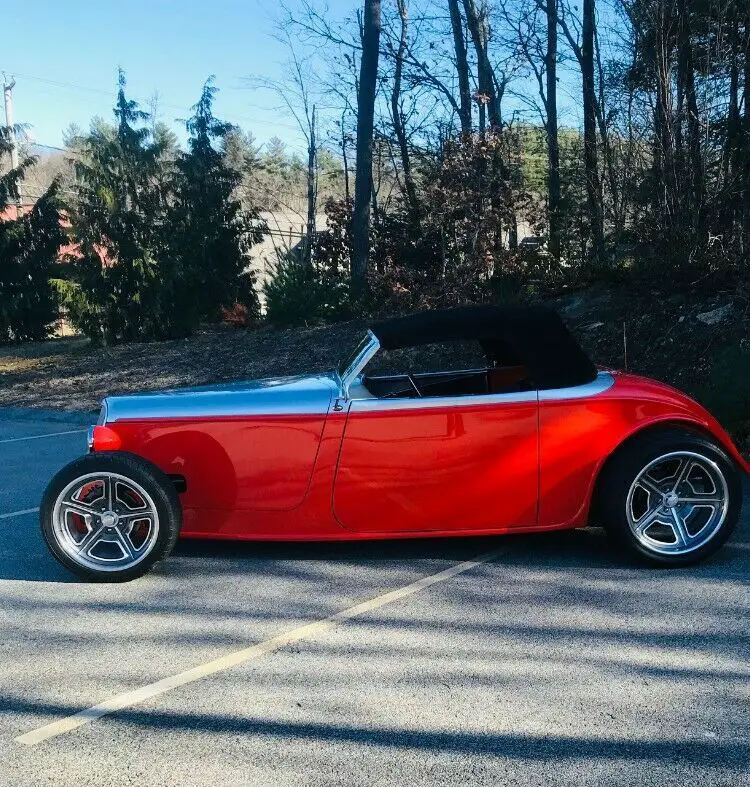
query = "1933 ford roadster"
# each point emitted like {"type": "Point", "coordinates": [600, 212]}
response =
{"type": "Point", "coordinates": [536, 439]}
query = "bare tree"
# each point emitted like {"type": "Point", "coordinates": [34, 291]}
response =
{"type": "Point", "coordinates": [312, 191]}
{"type": "Point", "coordinates": [300, 105]}
{"type": "Point", "coordinates": [462, 66]}
{"type": "Point", "coordinates": [476, 18]}
{"type": "Point", "coordinates": [746, 99]}
{"type": "Point", "coordinates": [397, 114]}
{"type": "Point", "coordinates": [368, 78]}
{"type": "Point", "coordinates": [551, 128]}
{"type": "Point", "coordinates": [590, 153]}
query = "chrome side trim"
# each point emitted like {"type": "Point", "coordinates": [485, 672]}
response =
{"type": "Point", "coordinates": [275, 396]}
{"type": "Point", "coordinates": [441, 402]}
{"type": "Point", "coordinates": [359, 363]}
{"type": "Point", "coordinates": [603, 381]}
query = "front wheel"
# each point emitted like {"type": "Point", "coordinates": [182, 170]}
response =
{"type": "Point", "coordinates": [671, 497]}
{"type": "Point", "coordinates": [110, 517]}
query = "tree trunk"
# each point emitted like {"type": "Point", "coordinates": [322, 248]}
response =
{"type": "Point", "coordinates": [368, 78]}
{"type": "Point", "coordinates": [312, 193]}
{"type": "Point", "coordinates": [590, 155]}
{"type": "Point", "coordinates": [695, 181]}
{"type": "Point", "coordinates": [345, 159]}
{"type": "Point", "coordinates": [664, 137]}
{"type": "Point", "coordinates": [477, 21]}
{"type": "Point", "coordinates": [729, 159]}
{"type": "Point", "coordinates": [609, 165]}
{"type": "Point", "coordinates": [553, 143]}
{"type": "Point", "coordinates": [462, 66]}
{"type": "Point", "coordinates": [746, 147]}
{"type": "Point", "coordinates": [410, 188]}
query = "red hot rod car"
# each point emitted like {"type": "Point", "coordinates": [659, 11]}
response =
{"type": "Point", "coordinates": [537, 438]}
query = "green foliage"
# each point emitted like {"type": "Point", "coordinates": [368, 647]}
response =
{"type": "Point", "coordinates": [163, 240]}
{"type": "Point", "coordinates": [118, 218]}
{"type": "Point", "coordinates": [300, 295]}
{"type": "Point", "coordinates": [28, 249]}
{"type": "Point", "coordinates": [209, 230]}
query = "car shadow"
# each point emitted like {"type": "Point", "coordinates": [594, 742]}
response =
{"type": "Point", "coordinates": [585, 548]}
{"type": "Point", "coordinates": [24, 555]}
{"type": "Point", "coordinates": [27, 558]}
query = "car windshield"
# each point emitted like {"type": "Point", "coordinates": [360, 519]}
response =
{"type": "Point", "coordinates": [353, 355]}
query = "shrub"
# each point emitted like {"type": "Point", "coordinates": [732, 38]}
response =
{"type": "Point", "coordinates": [300, 295]}
{"type": "Point", "coordinates": [726, 396]}
{"type": "Point", "coordinates": [239, 315]}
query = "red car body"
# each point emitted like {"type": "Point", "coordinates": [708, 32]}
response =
{"type": "Point", "coordinates": [304, 459]}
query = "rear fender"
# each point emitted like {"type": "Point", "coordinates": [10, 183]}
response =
{"type": "Point", "coordinates": [666, 424]}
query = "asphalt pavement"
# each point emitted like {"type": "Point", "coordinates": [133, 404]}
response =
{"type": "Point", "coordinates": [553, 663]}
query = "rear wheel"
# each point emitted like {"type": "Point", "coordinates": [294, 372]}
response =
{"type": "Point", "coordinates": [670, 497]}
{"type": "Point", "coordinates": [110, 517]}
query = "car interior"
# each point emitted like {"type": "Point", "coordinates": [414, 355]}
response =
{"type": "Point", "coordinates": [469, 382]}
{"type": "Point", "coordinates": [501, 372]}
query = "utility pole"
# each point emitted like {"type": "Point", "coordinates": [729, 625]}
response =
{"type": "Point", "coordinates": [8, 95]}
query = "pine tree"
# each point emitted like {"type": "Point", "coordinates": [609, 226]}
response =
{"type": "Point", "coordinates": [211, 232]}
{"type": "Point", "coordinates": [29, 246]}
{"type": "Point", "coordinates": [114, 292]}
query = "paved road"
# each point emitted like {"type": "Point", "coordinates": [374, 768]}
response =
{"type": "Point", "coordinates": [555, 663]}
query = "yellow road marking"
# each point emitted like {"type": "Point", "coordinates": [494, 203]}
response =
{"type": "Point", "coordinates": [136, 696]}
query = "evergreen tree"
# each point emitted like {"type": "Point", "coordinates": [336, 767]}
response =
{"type": "Point", "coordinates": [118, 217]}
{"type": "Point", "coordinates": [29, 245]}
{"type": "Point", "coordinates": [211, 232]}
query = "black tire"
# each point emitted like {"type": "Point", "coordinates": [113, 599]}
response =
{"type": "Point", "coordinates": [613, 497]}
{"type": "Point", "coordinates": [163, 527]}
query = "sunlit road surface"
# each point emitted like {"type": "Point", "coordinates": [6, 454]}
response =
{"type": "Point", "coordinates": [550, 661]}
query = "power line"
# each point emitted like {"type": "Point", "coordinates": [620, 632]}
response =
{"type": "Point", "coordinates": [100, 91]}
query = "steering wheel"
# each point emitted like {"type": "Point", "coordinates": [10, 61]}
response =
{"type": "Point", "coordinates": [414, 385]}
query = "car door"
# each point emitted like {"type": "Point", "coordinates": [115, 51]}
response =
{"type": "Point", "coordinates": [448, 464]}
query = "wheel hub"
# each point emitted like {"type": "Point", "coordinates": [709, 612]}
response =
{"type": "Point", "coordinates": [671, 500]}
{"type": "Point", "coordinates": [109, 519]}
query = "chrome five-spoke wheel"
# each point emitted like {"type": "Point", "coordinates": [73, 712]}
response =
{"type": "Point", "coordinates": [105, 521]}
{"type": "Point", "coordinates": [110, 516]}
{"type": "Point", "coordinates": [677, 503]}
{"type": "Point", "coordinates": [669, 496]}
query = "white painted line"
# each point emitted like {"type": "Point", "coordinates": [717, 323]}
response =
{"type": "Point", "coordinates": [743, 547]}
{"type": "Point", "coordinates": [40, 436]}
{"type": "Point", "coordinates": [130, 698]}
{"type": "Point", "coordinates": [19, 513]}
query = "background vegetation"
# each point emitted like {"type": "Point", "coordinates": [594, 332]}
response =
{"type": "Point", "coordinates": [461, 150]}
{"type": "Point", "coordinates": [439, 142]}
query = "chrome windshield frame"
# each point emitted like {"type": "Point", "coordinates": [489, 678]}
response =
{"type": "Point", "coordinates": [363, 357]}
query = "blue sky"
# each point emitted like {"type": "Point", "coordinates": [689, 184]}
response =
{"type": "Point", "coordinates": [165, 45]}
{"type": "Point", "coordinates": [65, 56]}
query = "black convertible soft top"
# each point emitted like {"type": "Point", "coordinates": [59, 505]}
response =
{"type": "Point", "coordinates": [533, 335]}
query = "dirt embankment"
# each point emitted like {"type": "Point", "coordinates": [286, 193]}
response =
{"type": "Point", "coordinates": [690, 341]}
